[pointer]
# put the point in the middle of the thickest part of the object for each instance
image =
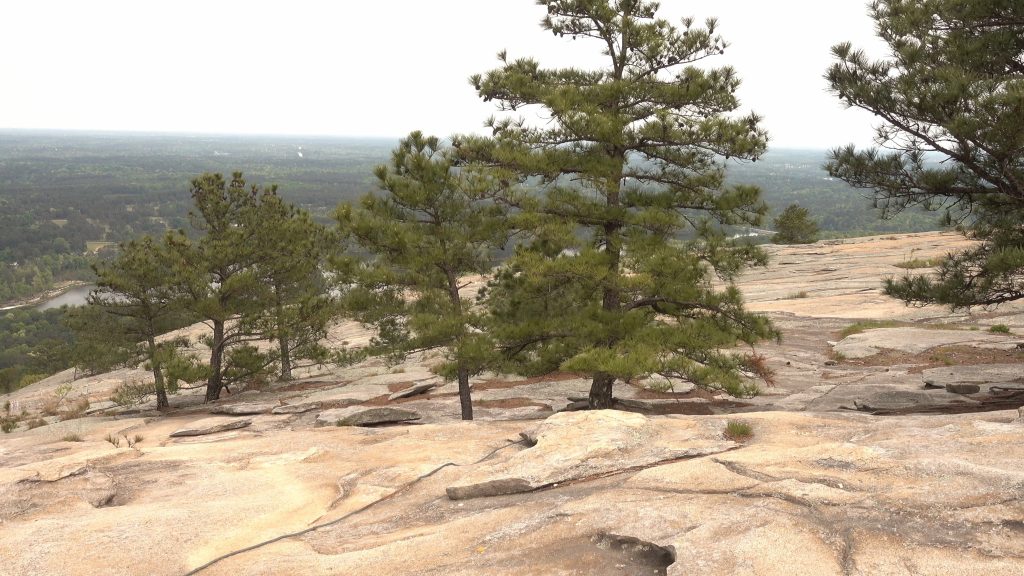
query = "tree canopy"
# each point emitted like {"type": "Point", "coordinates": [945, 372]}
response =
{"type": "Point", "coordinates": [950, 97]}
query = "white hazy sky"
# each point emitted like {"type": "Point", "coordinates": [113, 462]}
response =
{"type": "Point", "coordinates": [380, 68]}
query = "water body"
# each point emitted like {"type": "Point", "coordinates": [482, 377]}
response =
{"type": "Point", "coordinates": [73, 297]}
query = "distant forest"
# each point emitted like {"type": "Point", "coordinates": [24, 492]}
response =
{"type": "Point", "coordinates": [64, 195]}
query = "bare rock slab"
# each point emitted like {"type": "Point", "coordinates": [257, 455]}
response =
{"type": "Point", "coordinates": [296, 408]}
{"type": "Point", "coordinates": [414, 390]}
{"type": "Point", "coordinates": [211, 426]}
{"type": "Point", "coordinates": [246, 409]}
{"type": "Point", "coordinates": [574, 445]}
{"type": "Point", "coordinates": [365, 416]}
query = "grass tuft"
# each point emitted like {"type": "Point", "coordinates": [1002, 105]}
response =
{"type": "Point", "coordinates": [999, 329]}
{"type": "Point", "coordinates": [918, 263]}
{"type": "Point", "coordinates": [72, 437]}
{"type": "Point", "coordinates": [738, 431]}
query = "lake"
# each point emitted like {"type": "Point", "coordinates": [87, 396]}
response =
{"type": "Point", "coordinates": [73, 297]}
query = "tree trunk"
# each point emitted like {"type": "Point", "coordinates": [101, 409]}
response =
{"type": "Point", "coordinates": [158, 377]}
{"type": "Point", "coordinates": [286, 359]}
{"type": "Point", "coordinates": [283, 339]}
{"type": "Point", "coordinates": [465, 401]}
{"type": "Point", "coordinates": [601, 392]}
{"type": "Point", "coordinates": [215, 382]}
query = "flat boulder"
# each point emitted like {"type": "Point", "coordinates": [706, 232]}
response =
{"type": "Point", "coordinates": [907, 400]}
{"type": "Point", "coordinates": [296, 408]}
{"type": "Point", "coordinates": [211, 426]}
{"type": "Point", "coordinates": [573, 445]}
{"type": "Point", "coordinates": [244, 409]}
{"type": "Point", "coordinates": [915, 341]}
{"type": "Point", "coordinates": [365, 416]}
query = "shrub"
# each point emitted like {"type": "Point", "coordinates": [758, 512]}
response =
{"type": "Point", "coordinates": [795, 226]}
{"type": "Point", "coordinates": [35, 423]}
{"type": "Point", "coordinates": [72, 437]}
{"type": "Point", "coordinates": [132, 393]}
{"type": "Point", "coordinates": [999, 329]}
{"type": "Point", "coordinates": [113, 440]}
{"type": "Point", "coordinates": [8, 424]}
{"type": "Point", "coordinates": [758, 364]}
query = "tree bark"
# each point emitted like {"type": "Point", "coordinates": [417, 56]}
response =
{"type": "Point", "coordinates": [215, 382]}
{"type": "Point", "coordinates": [465, 400]}
{"type": "Point", "coordinates": [158, 377]}
{"type": "Point", "coordinates": [601, 392]}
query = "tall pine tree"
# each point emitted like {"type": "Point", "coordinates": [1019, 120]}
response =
{"type": "Point", "coordinates": [622, 189]}
{"type": "Point", "coordinates": [219, 273]}
{"type": "Point", "coordinates": [950, 97]}
{"type": "Point", "coordinates": [430, 227]}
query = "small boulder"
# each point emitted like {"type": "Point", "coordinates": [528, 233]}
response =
{"type": "Point", "coordinates": [296, 408]}
{"type": "Point", "coordinates": [246, 409]}
{"type": "Point", "coordinates": [963, 388]}
{"type": "Point", "coordinates": [364, 416]}
{"type": "Point", "coordinates": [414, 390]}
{"type": "Point", "coordinates": [211, 426]}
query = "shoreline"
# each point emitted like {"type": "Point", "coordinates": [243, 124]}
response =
{"type": "Point", "coordinates": [57, 290]}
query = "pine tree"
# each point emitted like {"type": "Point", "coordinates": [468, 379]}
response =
{"type": "Point", "coordinates": [950, 96]}
{"type": "Point", "coordinates": [795, 226]}
{"type": "Point", "coordinates": [136, 301]}
{"type": "Point", "coordinates": [292, 251]}
{"type": "Point", "coordinates": [622, 193]}
{"type": "Point", "coordinates": [219, 273]}
{"type": "Point", "coordinates": [432, 226]}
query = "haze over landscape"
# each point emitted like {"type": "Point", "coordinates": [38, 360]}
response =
{"type": "Point", "coordinates": [372, 69]}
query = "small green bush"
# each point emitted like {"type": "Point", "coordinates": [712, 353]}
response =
{"type": "Point", "coordinates": [999, 329]}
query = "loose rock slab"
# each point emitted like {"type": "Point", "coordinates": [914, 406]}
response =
{"type": "Point", "coordinates": [211, 426]}
{"type": "Point", "coordinates": [414, 390]}
{"type": "Point", "coordinates": [364, 416]}
{"type": "Point", "coordinates": [297, 408]}
{"type": "Point", "coordinates": [247, 409]}
{"type": "Point", "coordinates": [573, 445]}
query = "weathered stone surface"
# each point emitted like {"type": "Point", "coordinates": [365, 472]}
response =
{"type": "Point", "coordinates": [814, 492]}
{"type": "Point", "coordinates": [210, 426]}
{"type": "Point", "coordinates": [300, 408]}
{"type": "Point", "coordinates": [906, 400]}
{"type": "Point", "coordinates": [915, 341]}
{"type": "Point", "coordinates": [963, 388]}
{"type": "Point", "coordinates": [983, 374]}
{"type": "Point", "coordinates": [365, 416]}
{"type": "Point", "coordinates": [245, 409]}
{"type": "Point", "coordinates": [574, 445]}
{"type": "Point", "coordinates": [414, 390]}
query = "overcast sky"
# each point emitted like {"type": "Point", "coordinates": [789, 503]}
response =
{"type": "Point", "coordinates": [380, 68]}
